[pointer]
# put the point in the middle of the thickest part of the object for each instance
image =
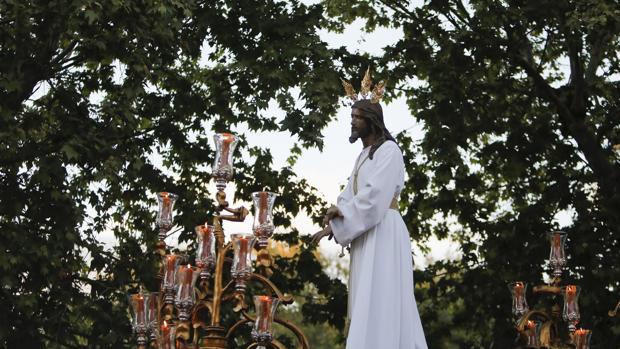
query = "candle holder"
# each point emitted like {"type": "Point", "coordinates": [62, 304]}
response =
{"type": "Point", "coordinates": [138, 303]}
{"type": "Point", "coordinates": [169, 286]}
{"type": "Point", "coordinates": [152, 318]}
{"type": "Point", "coordinates": [241, 270]}
{"type": "Point", "coordinates": [189, 313]}
{"type": "Point", "coordinates": [165, 211]}
{"type": "Point", "coordinates": [581, 338]}
{"type": "Point", "coordinates": [225, 144]}
{"type": "Point", "coordinates": [540, 327]}
{"type": "Point", "coordinates": [205, 252]}
{"type": "Point", "coordinates": [263, 226]}
{"type": "Point", "coordinates": [185, 296]}
{"type": "Point", "coordinates": [557, 256]}
{"type": "Point", "coordinates": [570, 313]}
{"type": "Point", "coordinates": [519, 301]}
{"type": "Point", "coordinates": [265, 313]}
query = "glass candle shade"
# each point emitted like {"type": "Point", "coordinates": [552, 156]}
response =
{"type": "Point", "coordinates": [581, 338]}
{"type": "Point", "coordinates": [168, 286]}
{"type": "Point", "coordinates": [557, 256]}
{"type": "Point", "coordinates": [532, 334]}
{"type": "Point", "coordinates": [265, 312]}
{"type": "Point", "coordinates": [570, 314]}
{"type": "Point", "coordinates": [185, 297]}
{"type": "Point", "coordinates": [138, 303]}
{"type": "Point", "coordinates": [263, 216]}
{"type": "Point", "coordinates": [242, 260]}
{"type": "Point", "coordinates": [205, 251]}
{"type": "Point", "coordinates": [152, 315]}
{"type": "Point", "coordinates": [165, 215]}
{"type": "Point", "coordinates": [168, 336]}
{"type": "Point", "coordinates": [519, 302]}
{"type": "Point", "coordinates": [225, 144]}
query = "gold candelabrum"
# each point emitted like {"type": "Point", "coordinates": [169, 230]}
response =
{"type": "Point", "coordinates": [554, 326]}
{"type": "Point", "coordinates": [186, 312]}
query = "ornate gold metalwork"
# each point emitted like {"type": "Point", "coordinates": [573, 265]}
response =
{"type": "Point", "coordinates": [365, 89]}
{"type": "Point", "coordinates": [206, 313]}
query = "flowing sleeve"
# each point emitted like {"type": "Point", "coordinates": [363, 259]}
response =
{"type": "Point", "coordinates": [366, 209]}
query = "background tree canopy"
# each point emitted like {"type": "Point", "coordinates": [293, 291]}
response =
{"type": "Point", "coordinates": [519, 102]}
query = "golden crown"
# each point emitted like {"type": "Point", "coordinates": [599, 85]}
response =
{"type": "Point", "coordinates": [375, 96]}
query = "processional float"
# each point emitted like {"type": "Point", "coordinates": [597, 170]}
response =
{"type": "Point", "coordinates": [553, 326]}
{"type": "Point", "coordinates": [186, 312]}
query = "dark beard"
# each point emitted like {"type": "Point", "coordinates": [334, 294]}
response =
{"type": "Point", "coordinates": [357, 134]}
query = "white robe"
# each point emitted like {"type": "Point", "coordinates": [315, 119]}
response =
{"type": "Point", "coordinates": [382, 308]}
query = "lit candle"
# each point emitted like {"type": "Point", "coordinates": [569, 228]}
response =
{"type": "Point", "coordinates": [262, 216]}
{"type": "Point", "coordinates": [165, 211]}
{"type": "Point", "coordinates": [226, 140]}
{"type": "Point", "coordinates": [518, 289]}
{"type": "Point", "coordinates": [582, 339]}
{"type": "Point", "coordinates": [243, 251]}
{"type": "Point", "coordinates": [264, 313]}
{"type": "Point", "coordinates": [165, 332]}
{"type": "Point", "coordinates": [571, 291]}
{"type": "Point", "coordinates": [140, 314]}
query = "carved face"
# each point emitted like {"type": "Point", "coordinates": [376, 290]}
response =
{"type": "Point", "coordinates": [360, 127]}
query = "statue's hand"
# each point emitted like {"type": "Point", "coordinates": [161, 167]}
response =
{"type": "Point", "coordinates": [316, 238]}
{"type": "Point", "coordinates": [331, 213]}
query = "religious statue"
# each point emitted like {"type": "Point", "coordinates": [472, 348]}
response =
{"type": "Point", "coordinates": [382, 311]}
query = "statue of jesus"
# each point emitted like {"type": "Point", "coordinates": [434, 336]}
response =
{"type": "Point", "coordinates": [382, 311]}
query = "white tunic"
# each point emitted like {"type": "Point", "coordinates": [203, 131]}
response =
{"type": "Point", "coordinates": [382, 308]}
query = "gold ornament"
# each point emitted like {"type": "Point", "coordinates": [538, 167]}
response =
{"type": "Point", "coordinates": [365, 89]}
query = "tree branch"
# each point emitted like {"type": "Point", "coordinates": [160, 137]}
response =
{"type": "Point", "coordinates": [606, 174]}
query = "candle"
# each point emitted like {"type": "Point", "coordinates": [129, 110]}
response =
{"type": "Point", "coordinates": [263, 198]}
{"type": "Point", "coordinates": [165, 332]}
{"type": "Point", "coordinates": [519, 289]}
{"type": "Point", "coordinates": [170, 264]}
{"type": "Point", "coordinates": [187, 282]}
{"type": "Point", "coordinates": [582, 339]}
{"type": "Point", "coordinates": [165, 210]}
{"type": "Point", "coordinates": [571, 291]}
{"type": "Point", "coordinates": [226, 140]}
{"type": "Point", "coordinates": [139, 305]}
{"type": "Point", "coordinates": [243, 251]}
{"type": "Point", "coordinates": [264, 313]}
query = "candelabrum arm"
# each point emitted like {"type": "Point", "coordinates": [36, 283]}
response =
{"type": "Point", "coordinates": [217, 284]}
{"type": "Point", "coordinates": [247, 318]}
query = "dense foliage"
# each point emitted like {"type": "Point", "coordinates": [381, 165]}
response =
{"type": "Point", "coordinates": [102, 104]}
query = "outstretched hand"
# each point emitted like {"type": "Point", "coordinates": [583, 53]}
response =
{"type": "Point", "coordinates": [316, 238]}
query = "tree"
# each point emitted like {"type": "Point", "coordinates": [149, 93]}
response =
{"type": "Point", "coordinates": [519, 102]}
{"type": "Point", "coordinates": [92, 94]}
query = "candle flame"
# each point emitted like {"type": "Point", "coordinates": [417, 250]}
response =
{"type": "Point", "coordinates": [530, 324]}
{"type": "Point", "coordinates": [580, 332]}
{"type": "Point", "coordinates": [165, 326]}
{"type": "Point", "coordinates": [264, 298]}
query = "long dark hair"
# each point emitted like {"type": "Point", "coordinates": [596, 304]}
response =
{"type": "Point", "coordinates": [374, 113]}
